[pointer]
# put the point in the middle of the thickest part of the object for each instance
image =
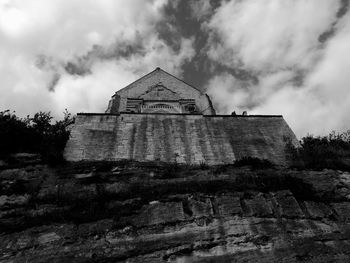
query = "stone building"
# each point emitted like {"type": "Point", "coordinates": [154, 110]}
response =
{"type": "Point", "coordinates": [162, 118]}
{"type": "Point", "coordinates": [160, 92]}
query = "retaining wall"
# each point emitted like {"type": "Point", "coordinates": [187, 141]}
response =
{"type": "Point", "coordinates": [181, 138]}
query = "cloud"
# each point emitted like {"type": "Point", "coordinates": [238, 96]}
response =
{"type": "Point", "coordinates": [200, 8]}
{"type": "Point", "coordinates": [299, 76]}
{"type": "Point", "coordinates": [267, 57]}
{"type": "Point", "coordinates": [91, 92]}
{"type": "Point", "coordinates": [230, 93]}
{"type": "Point", "coordinates": [269, 35]}
{"type": "Point", "coordinates": [75, 54]}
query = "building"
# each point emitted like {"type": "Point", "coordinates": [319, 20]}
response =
{"type": "Point", "coordinates": [160, 92]}
{"type": "Point", "coordinates": [161, 118]}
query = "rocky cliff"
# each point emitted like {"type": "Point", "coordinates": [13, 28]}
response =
{"type": "Point", "coordinates": [131, 212]}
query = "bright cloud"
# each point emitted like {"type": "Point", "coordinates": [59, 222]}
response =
{"type": "Point", "coordinates": [278, 42]}
{"type": "Point", "coordinates": [293, 55]}
{"type": "Point", "coordinates": [39, 38]}
{"type": "Point", "coordinates": [269, 35]}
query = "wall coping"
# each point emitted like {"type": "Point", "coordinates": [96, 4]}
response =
{"type": "Point", "coordinates": [186, 114]}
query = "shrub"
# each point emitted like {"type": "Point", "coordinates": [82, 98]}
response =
{"type": "Point", "coordinates": [34, 135]}
{"type": "Point", "coordinates": [203, 165]}
{"type": "Point", "coordinates": [16, 135]}
{"type": "Point", "coordinates": [331, 152]}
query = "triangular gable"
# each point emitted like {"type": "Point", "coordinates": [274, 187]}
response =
{"type": "Point", "coordinates": [159, 77]}
{"type": "Point", "coordinates": [158, 92]}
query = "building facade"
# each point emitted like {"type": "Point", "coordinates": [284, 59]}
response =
{"type": "Point", "coordinates": [160, 92]}
{"type": "Point", "coordinates": [161, 118]}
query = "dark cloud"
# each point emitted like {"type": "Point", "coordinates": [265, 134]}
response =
{"type": "Point", "coordinates": [53, 82]}
{"type": "Point", "coordinates": [187, 18]}
{"type": "Point", "coordinates": [169, 34]}
{"type": "Point", "coordinates": [77, 68]}
{"type": "Point", "coordinates": [183, 19]}
{"type": "Point", "coordinates": [81, 65]}
{"type": "Point", "coordinates": [44, 62]}
{"type": "Point", "coordinates": [330, 32]}
{"type": "Point", "coordinates": [344, 8]}
{"type": "Point", "coordinates": [238, 73]}
{"type": "Point", "coordinates": [299, 78]}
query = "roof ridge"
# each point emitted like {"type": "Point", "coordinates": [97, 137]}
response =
{"type": "Point", "coordinates": [138, 79]}
{"type": "Point", "coordinates": [159, 69]}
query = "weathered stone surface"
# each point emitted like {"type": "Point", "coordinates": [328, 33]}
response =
{"type": "Point", "coordinates": [342, 210]}
{"type": "Point", "coordinates": [68, 191]}
{"type": "Point", "coordinates": [48, 238]}
{"type": "Point", "coordinates": [287, 205]}
{"type": "Point", "coordinates": [27, 158]}
{"type": "Point", "coordinates": [115, 188]}
{"type": "Point", "coordinates": [191, 216]}
{"type": "Point", "coordinates": [13, 200]}
{"type": "Point", "coordinates": [191, 139]}
{"type": "Point", "coordinates": [98, 228]}
{"type": "Point", "coordinates": [228, 205]}
{"type": "Point", "coordinates": [158, 213]}
{"type": "Point", "coordinates": [200, 208]}
{"type": "Point", "coordinates": [317, 210]}
{"type": "Point", "coordinates": [257, 205]}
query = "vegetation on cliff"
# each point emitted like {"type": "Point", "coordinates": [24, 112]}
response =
{"type": "Point", "coordinates": [35, 134]}
{"type": "Point", "coordinates": [320, 152]}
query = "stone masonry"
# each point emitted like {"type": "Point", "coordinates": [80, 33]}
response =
{"type": "Point", "coordinates": [161, 118]}
{"type": "Point", "coordinates": [190, 139]}
{"type": "Point", "coordinates": [173, 88]}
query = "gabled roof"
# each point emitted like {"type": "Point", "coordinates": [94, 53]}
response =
{"type": "Point", "coordinates": [157, 71]}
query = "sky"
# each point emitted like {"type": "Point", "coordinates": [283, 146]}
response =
{"type": "Point", "coordinates": [288, 57]}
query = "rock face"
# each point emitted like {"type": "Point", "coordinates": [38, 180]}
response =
{"type": "Point", "coordinates": [94, 212]}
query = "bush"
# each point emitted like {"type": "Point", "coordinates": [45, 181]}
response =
{"type": "Point", "coordinates": [16, 135]}
{"type": "Point", "coordinates": [331, 152]}
{"type": "Point", "coordinates": [34, 135]}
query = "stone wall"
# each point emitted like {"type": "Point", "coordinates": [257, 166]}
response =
{"type": "Point", "coordinates": [191, 139]}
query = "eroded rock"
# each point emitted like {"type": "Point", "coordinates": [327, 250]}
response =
{"type": "Point", "coordinates": [237, 216]}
